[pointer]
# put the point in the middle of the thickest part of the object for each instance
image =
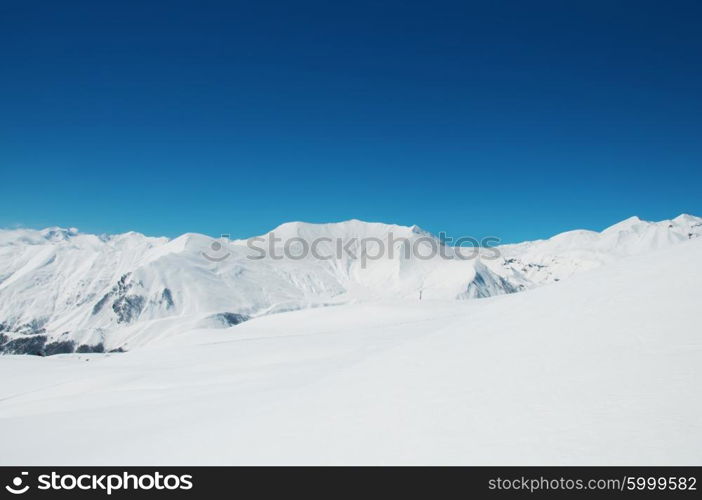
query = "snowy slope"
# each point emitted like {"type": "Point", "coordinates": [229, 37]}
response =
{"type": "Point", "coordinates": [563, 255]}
{"type": "Point", "coordinates": [62, 291]}
{"type": "Point", "coordinates": [603, 368]}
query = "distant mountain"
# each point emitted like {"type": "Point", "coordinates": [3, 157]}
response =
{"type": "Point", "coordinates": [557, 258]}
{"type": "Point", "coordinates": [64, 291]}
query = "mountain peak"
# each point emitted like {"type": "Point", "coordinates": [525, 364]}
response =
{"type": "Point", "coordinates": [56, 233]}
{"type": "Point", "coordinates": [687, 218]}
{"type": "Point", "coordinates": [351, 228]}
{"type": "Point", "coordinates": [626, 224]}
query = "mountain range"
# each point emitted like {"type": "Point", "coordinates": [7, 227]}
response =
{"type": "Point", "coordinates": [64, 291]}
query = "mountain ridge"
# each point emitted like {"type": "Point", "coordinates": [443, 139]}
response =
{"type": "Point", "coordinates": [62, 290]}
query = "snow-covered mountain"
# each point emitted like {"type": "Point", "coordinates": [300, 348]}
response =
{"type": "Point", "coordinates": [563, 255]}
{"type": "Point", "coordinates": [603, 368]}
{"type": "Point", "coordinates": [63, 291]}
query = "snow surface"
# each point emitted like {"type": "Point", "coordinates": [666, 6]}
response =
{"type": "Point", "coordinates": [602, 368]}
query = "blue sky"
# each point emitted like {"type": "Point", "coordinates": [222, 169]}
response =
{"type": "Point", "coordinates": [516, 119]}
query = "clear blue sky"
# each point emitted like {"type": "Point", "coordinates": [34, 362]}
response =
{"type": "Point", "coordinates": [509, 118]}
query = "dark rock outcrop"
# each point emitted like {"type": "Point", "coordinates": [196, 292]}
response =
{"type": "Point", "coordinates": [230, 318]}
{"type": "Point", "coordinates": [86, 348]}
